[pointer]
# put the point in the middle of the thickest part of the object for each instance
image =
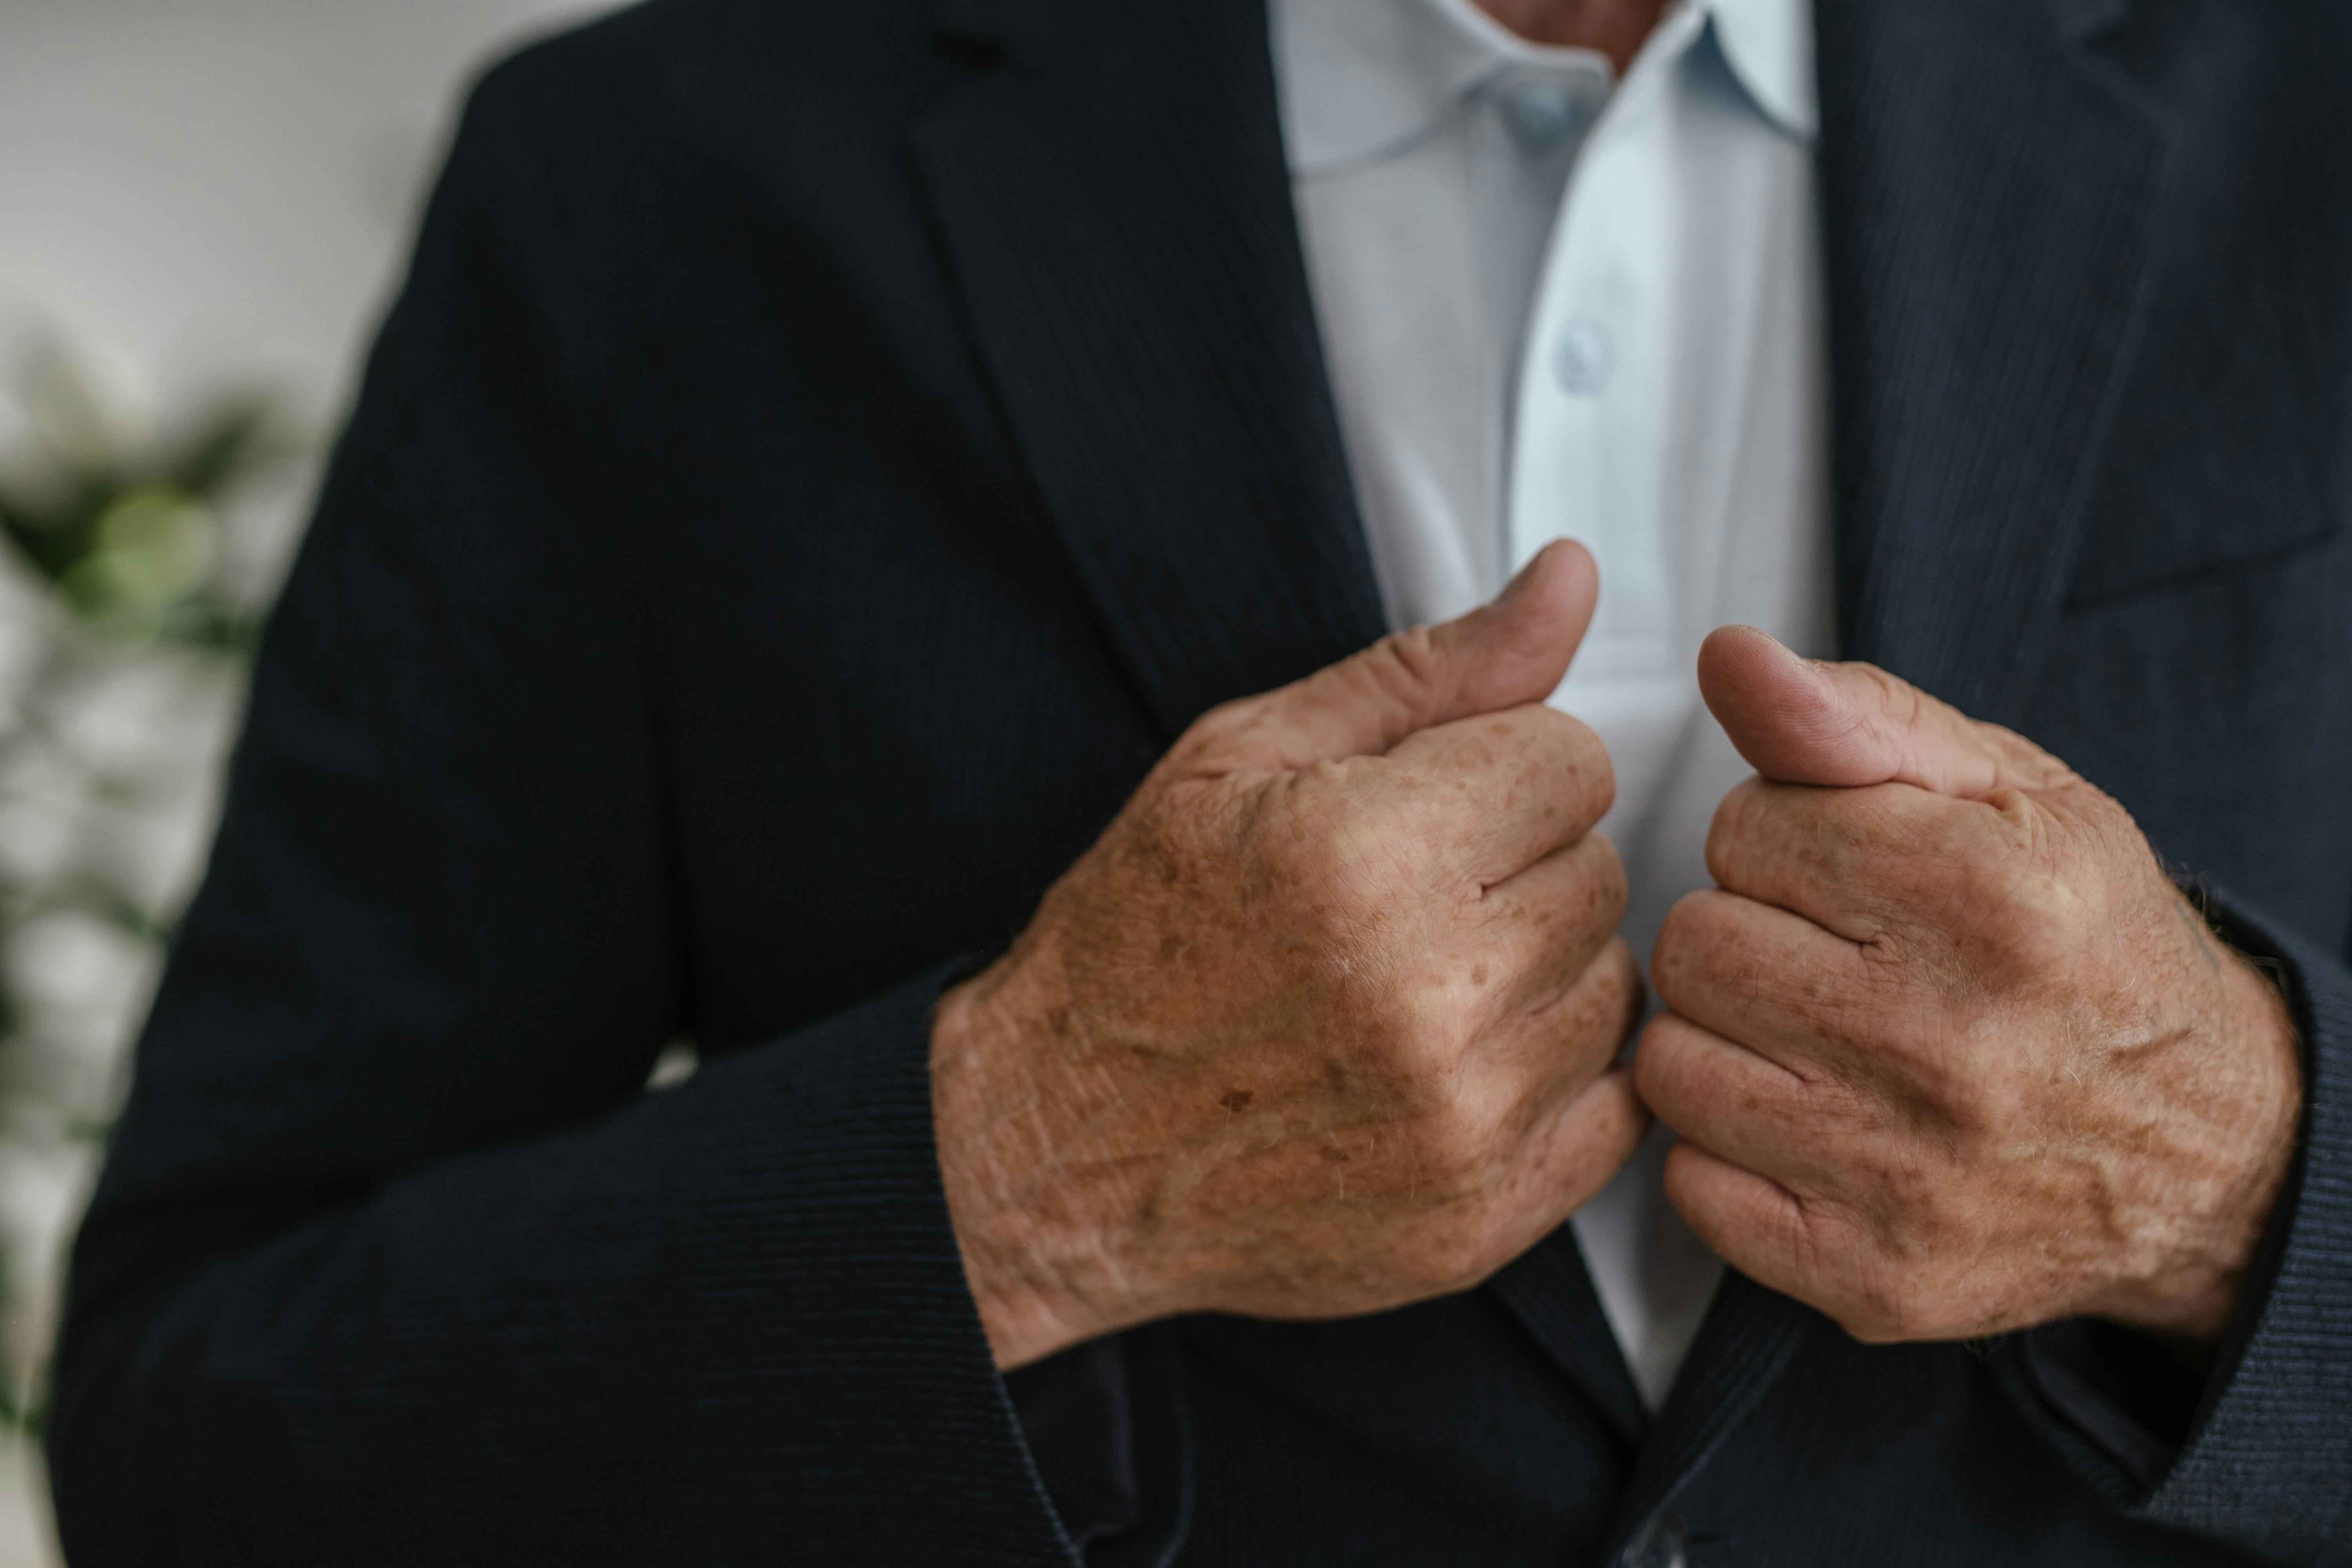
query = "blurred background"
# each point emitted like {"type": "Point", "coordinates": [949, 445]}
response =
{"type": "Point", "coordinates": [204, 206]}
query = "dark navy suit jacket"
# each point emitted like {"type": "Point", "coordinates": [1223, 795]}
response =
{"type": "Point", "coordinates": [823, 454]}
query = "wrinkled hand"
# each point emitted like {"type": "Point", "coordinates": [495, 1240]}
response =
{"type": "Point", "coordinates": [1321, 1025]}
{"type": "Point", "coordinates": [1949, 1053]}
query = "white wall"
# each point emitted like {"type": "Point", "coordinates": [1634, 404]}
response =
{"type": "Point", "coordinates": [192, 193]}
{"type": "Point", "coordinates": [193, 187]}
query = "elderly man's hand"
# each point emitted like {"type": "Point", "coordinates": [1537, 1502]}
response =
{"type": "Point", "coordinates": [1949, 1053]}
{"type": "Point", "coordinates": [1323, 1023]}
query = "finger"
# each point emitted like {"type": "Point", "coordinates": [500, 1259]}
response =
{"type": "Point", "coordinates": [1555, 1048]}
{"type": "Point", "coordinates": [1803, 722]}
{"type": "Point", "coordinates": [1750, 1221]}
{"type": "Point", "coordinates": [1513, 651]}
{"type": "Point", "coordinates": [1544, 927]}
{"type": "Point", "coordinates": [1730, 1101]}
{"type": "Point", "coordinates": [1502, 790]}
{"type": "Point", "coordinates": [1804, 998]}
{"type": "Point", "coordinates": [1576, 1150]}
{"type": "Point", "coordinates": [1861, 862]}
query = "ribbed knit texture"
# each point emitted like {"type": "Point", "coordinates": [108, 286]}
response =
{"type": "Point", "coordinates": [2271, 1467]}
{"type": "Point", "coordinates": [728, 1326]}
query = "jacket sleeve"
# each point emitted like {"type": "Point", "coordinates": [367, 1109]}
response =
{"type": "Point", "coordinates": [2266, 1466]}
{"type": "Point", "coordinates": [395, 1259]}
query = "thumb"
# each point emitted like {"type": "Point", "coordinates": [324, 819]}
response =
{"type": "Point", "coordinates": [1513, 651]}
{"type": "Point", "coordinates": [1802, 721]}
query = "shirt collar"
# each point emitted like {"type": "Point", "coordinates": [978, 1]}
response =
{"type": "Point", "coordinates": [1362, 79]}
{"type": "Point", "coordinates": [1770, 47]}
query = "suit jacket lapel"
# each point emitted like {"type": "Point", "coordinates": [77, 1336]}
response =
{"type": "Point", "coordinates": [1114, 200]}
{"type": "Point", "coordinates": [1748, 1339]}
{"type": "Point", "coordinates": [1549, 1289]}
{"type": "Point", "coordinates": [1991, 191]}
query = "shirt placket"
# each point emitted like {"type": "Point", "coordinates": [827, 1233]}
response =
{"type": "Point", "coordinates": [1591, 421]}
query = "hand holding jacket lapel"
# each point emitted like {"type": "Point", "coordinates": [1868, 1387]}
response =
{"type": "Point", "coordinates": [1117, 210]}
{"type": "Point", "coordinates": [1992, 196]}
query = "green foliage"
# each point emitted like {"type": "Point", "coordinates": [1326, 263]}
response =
{"type": "Point", "coordinates": [130, 538]}
{"type": "Point", "coordinates": [125, 538]}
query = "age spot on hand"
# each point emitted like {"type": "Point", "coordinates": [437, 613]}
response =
{"type": "Point", "coordinates": [1236, 1100]}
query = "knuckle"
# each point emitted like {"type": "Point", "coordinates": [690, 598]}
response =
{"type": "Point", "coordinates": [1454, 1142]}
{"type": "Point", "coordinates": [2009, 878]}
{"type": "Point", "coordinates": [2037, 926]}
{"type": "Point", "coordinates": [1728, 829]}
{"type": "Point", "coordinates": [1459, 1136]}
{"type": "Point", "coordinates": [1425, 1041]}
{"type": "Point", "coordinates": [1606, 882]}
{"type": "Point", "coordinates": [1970, 1097]}
{"type": "Point", "coordinates": [1329, 859]}
{"type": "Point", "coordinates": [1402, 666]}
{"type": "Point", "coordinates": [1588, 904]}
{"type": "Point", "coordinates": [1405, 1053]}
{"type": "Point", "coordinates": [1617, 986]}
{"type": "Point", "coordinates": [1681, 949]}
{"type": "Point", "coordinates": [1220, 724]}
{"type": "Point", "coordinates": [1597, 1013]}
{"type": "Point", "coordinates": [1661, 1072]}
{"type": "Point", "coordinates": [1622, 970]}
{"type": "Point", "coordinates": [1765, 836]}
{"type": "Point", "coordinates": [1898, 699]}
{"type": "Point", "coordinates": [2027, 761]}
{"type": "Point", "coordinates": [1586, 778]}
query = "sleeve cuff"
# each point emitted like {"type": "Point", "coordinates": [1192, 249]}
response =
{"type": "Point", "coordinates": [1105, 1428]}
{"type": "Point", "coordinates": [2267, 1461]}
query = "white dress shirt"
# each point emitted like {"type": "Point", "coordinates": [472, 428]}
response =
{"type": "Point", "coordinates": [1557, 304]}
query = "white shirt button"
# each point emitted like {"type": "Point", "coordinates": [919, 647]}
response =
{"type": "Point", "coordinates": [1539, 110]}
{"type": "Point", "coordinates": [1582, 356]}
